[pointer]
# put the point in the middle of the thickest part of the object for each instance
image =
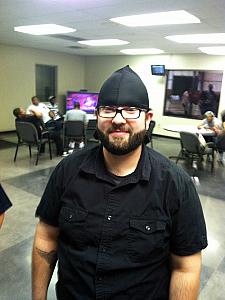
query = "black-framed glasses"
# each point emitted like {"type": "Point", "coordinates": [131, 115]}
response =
{"type": "Point", "coordinates": [126, 112]}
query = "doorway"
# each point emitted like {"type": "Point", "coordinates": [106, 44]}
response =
{"type": "Point", "coordinates": [46, 79]}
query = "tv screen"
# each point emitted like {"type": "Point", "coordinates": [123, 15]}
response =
{"type": "Point", "coordinates": [158, 70]}
{"type": "Point", "coordinates": [88, 101]}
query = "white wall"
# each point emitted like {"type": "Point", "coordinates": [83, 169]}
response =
{"type": "Point", "coordinates": [17, 77]}
{"type": "Point", "coordinates": [97, 69]}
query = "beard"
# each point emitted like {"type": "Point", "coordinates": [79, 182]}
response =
{"type": "Point", "coordinates": [120, 145]}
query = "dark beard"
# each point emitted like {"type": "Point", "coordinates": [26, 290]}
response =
{"type": "Point", "coordinates": [135, 140]}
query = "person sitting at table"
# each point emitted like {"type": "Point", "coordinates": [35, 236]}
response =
{"type": "Point", "coordinates": [210, 122]}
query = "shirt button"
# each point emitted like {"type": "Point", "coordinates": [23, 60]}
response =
{"type": "Point", "coordinates": [109, 218]}
{"type": "Point", "coordinates": [70, 216]}
{"type": "Point", "coordinates": [147, 227]}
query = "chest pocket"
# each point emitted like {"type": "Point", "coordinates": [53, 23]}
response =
{"type": "Point", "coordinates": [72, 224]}
{"type": "Point", "coordinates": [145, 237]}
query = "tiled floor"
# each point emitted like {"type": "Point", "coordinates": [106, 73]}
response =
{"type": "Point", "coordinates": [24, 183]}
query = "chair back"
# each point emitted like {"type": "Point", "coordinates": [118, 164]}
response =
{"type": "Point", "coordinates": [74, 129]}
{"type": "Point", "coordinates": [148, 136]}
{"type": "Point", "coordinates": [190, 142]}
{"type": "Point", "coordinates": [92, 124]}
{"type": "Point", "coordinates": [26, 132]}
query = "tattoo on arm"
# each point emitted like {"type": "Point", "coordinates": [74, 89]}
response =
{"type": "Point", "coordinates": [49, 257]}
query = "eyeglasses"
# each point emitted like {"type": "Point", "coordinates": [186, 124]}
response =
{"type": "Point", "coordinates": [126, 112]}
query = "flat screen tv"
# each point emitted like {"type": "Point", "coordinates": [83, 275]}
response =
{"type": "Point", "coordinates": [87, 100]}
{"type": "Point", "coordinates": [158, 70]}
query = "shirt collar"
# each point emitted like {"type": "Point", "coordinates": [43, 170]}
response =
{"type": "Point", "coordinates": [94, 164]}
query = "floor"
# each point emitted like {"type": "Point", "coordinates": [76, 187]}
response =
{"type": "Point", "coordinates": [24, 183]}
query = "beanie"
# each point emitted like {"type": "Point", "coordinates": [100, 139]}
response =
{"type": "Point", "coordinates": [124, 88]}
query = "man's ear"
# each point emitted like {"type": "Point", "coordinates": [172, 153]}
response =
{"type": "Point", "coordinates": [148, 118]}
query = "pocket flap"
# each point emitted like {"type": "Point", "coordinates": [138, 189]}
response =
{"type": "Point", "coordinates": [147, 226]}
{"type": "Point", "coordinates": [73, 215]}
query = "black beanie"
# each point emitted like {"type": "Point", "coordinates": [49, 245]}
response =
{"type": "Point", "coordinates": [124, 88]}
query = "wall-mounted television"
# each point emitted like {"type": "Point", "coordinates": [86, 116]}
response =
{"type": "Point", "coordinates": [158, 70]}
{"type": "Point", "coordinates": [87, 100]}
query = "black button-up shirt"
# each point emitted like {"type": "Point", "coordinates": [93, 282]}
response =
{"type": "Point", "coordinates": [116, 236]}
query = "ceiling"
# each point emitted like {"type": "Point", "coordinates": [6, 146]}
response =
{"type": "Point", "coordinates": [91, 19]}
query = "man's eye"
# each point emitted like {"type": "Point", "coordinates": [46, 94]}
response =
{"type": "Point", "coordinates": [130, 110]}
{"type": "Point", "coordinates": [108, 110]}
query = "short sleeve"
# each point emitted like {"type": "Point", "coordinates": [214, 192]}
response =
{"type": "Point", "coordinates": [188, 230]}
{"type": "Point", "coordinates": [5, 203]}
{"type": "Point", "coordinates": [49, 206]}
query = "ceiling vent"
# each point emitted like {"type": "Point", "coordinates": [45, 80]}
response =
{"type": "Point", "coordinates": [76, 47]}
{"type": "Point", "coordinates": [66, 37]}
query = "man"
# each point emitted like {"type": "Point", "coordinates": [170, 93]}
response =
{"type": "Point", "coordinates": [76, 114]}
{"type": "Point", "coordinates": [36, 119]}
{"type": "Point", "coordinates": [40, 110]}
{"type": "Point", "coordinates": [53, 107]}
{"type": "Point", "coordinates": [123, 221]}
{"type": "Point", "coordinates": [5, 204]}
{"type": "Point", "coordinates": [210, 122]}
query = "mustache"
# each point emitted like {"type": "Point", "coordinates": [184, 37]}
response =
{"type": "Point", "coordinates": [118, 127]}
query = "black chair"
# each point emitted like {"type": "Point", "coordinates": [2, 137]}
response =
{"type": "Point", "coordinates": [27, 135]}
{"type": "Point", "coordinates": [149, 133]}
{"type": "Point", "coordinates": [193, 151]}
{"type": "Point", "coordinates": [220, 143]}
{"type": "Point", "coordinates": [73, 130]}
{"type": "Point", "coordinates": [90, 131]}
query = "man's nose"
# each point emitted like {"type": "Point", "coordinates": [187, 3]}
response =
{"type": "Point", "coordinates": [118, 118]}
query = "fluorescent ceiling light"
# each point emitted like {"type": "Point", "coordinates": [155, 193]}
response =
{"type": "Point", "coordinates": [206, 38]}
{"type": "Point", "coordinates": [142, 51]}
{"type": "Point", "coordinates": [43, 29]}
{"type": "Point", "coordinates": [161, 18]}
{"type": "Point", "coordinates": [219, 50]}
{"type": "Point", "coordinates": [103, 42]}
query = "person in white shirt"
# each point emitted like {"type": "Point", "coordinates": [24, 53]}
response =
{"type": "Point", "coordinates": [53, 107]}
{"type": "Point", "coordinates": [40, 110]}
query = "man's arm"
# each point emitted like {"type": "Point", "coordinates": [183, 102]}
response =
{"type": "Point", "coordinates": [44, 258]}
{"type": "Point", "coordinates": [1, 219]}
{"type": "Point", "coordinates": [185, 278]}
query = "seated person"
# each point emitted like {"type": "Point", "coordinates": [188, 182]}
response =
{"type": "Point", "coordinates": [53, 107]}
{"type": "Point", "coordinates": [5, 204]}
{"type": "Point", "coordinates": [76, 114]}
{"type": "Point", "coordinates": [40, 110]}
{"type": "Point", "coordinates": [21, 116]}
{"type": "Point", "coordinates": [210, 122]}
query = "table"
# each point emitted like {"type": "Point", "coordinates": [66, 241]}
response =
{"type": "Point", "coordinates": [189, 128]}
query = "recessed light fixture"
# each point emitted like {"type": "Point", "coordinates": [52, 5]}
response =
{"type": "Point", "coordinates": [205, 38]}
{"type": "Point", "coordinates": [103, 42]}
{"type": "Point", "coordinates": [141, 51]}
{"type": "Point", "coordinates": [218, 50]}
{"type": "Point", "coordinates": [161, 18]}
{"type": "Point", "coordinates": [43, 29]}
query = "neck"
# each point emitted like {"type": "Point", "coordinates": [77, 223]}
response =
{"type": "Point", "coordinates": [122, 165]}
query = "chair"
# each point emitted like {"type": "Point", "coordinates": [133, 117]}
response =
{"type": "Point", "coordinates": [149, 133]}
{"type": "Point", "coordinates": [73, 130]}
{"type": "Point", "coordinates": [27, 135]}
{"type": "Point", "coordinates": [220, 144]}
{"type": "Point", "coordinates": [91, 128]}
{"type": "Point", "coordinates": [193, 151]}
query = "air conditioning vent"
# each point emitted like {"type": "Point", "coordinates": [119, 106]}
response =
{"type": "Point", "coordinates": [66, 37]}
